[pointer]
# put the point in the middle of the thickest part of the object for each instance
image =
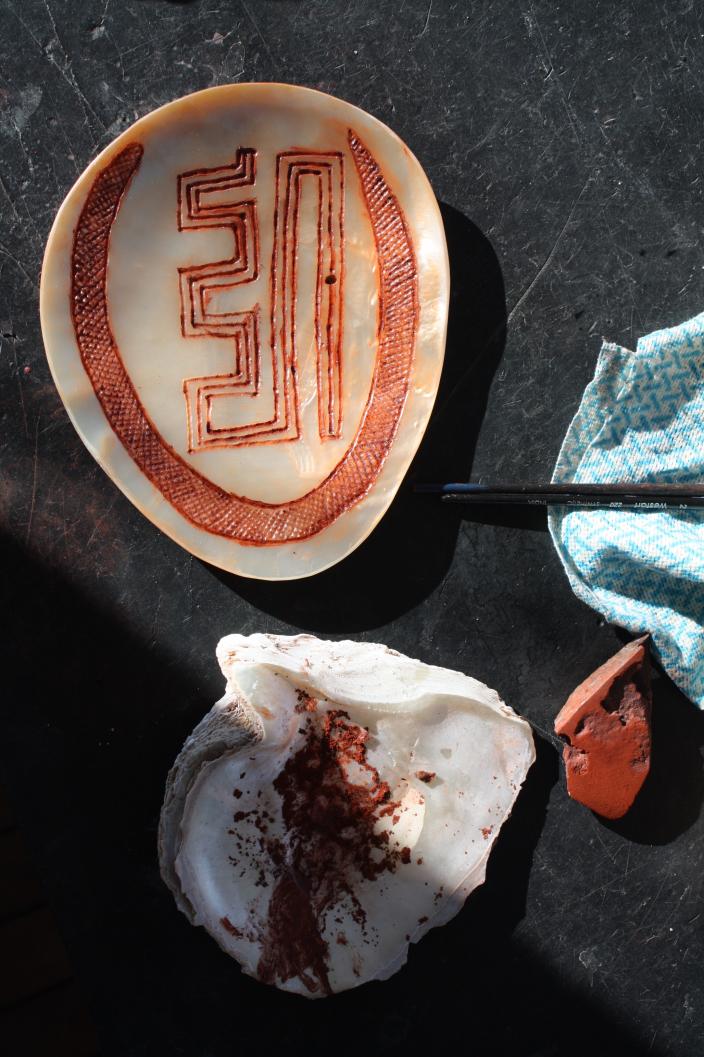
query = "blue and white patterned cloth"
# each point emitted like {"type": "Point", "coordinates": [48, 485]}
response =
{"type": "Point", "coordinates": [642, 419]}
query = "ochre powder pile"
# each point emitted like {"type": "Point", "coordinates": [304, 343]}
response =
{"type": "Point", "coordinates": [332, 799]}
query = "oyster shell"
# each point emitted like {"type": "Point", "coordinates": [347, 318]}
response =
{"type": "Point", "coordinates": [244, 303]}
{"type": "Point", "coordinates": [339, 801]}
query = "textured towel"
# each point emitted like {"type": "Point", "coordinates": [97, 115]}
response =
{"type": "Point", "coordinates": [642, 419]}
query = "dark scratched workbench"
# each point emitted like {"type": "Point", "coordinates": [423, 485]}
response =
{"type": "Point", "coordinates": [564, 141]}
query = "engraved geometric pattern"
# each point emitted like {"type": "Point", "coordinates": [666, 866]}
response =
{"type": "Point", "coordinates": [325, 170]}
{"type": "Point", "coordinates": [194, 496]}
{"type": "Point", "coordinates": [208, 198]}
{"type": "Point", "coordinates": [205, 200]}
{"type": "Point", "coordinates": [642, 420]}
{"type": "Point", "coordinates": [201, 393]}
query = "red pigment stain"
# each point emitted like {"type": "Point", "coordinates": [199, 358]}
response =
{"type": "Point", "coordinates": [422, 921]}
{"type": "Point", "coordinates": [486, 831]}
{"type": "Point", "coordinates": [229, 927]}
{"type": "Point", "coordinates": [425, 776]}
{"type": "Point", "coordinates": [332, 798]}
{"type": "Point", "coordinates": [237, 793]}
{"type": "Point", "coordinates": [306, 703]}
{"type": "Point", "coordinates": [405, 855]}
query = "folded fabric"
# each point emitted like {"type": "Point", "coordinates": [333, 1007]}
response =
{"type": "Point", "coordinates": [641, 419]}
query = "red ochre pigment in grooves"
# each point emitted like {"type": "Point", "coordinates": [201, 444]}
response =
{"type": "Point", "coordinates": [193, 496]}
{"type": "Point", "coordinates": [332, 799]}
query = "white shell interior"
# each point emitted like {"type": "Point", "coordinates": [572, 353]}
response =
{"type": "Point", "coordinates": [420, 719]}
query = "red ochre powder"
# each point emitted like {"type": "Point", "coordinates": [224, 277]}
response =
{"type": "Point", "coordinates": [332, 799]}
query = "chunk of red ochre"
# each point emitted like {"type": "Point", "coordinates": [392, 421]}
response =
{"type": "Point", "coordinates": [606, 724]}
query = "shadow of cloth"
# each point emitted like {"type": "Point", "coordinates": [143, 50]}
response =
{"type": "Point", "coordinates": [409, 552]}
{"type": "Point", "coordinates": [672, 794]}
{"type": "Point", "coordinates": [92, 719]}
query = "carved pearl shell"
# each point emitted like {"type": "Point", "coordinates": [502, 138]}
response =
{"type": "Point", "coordinates": [244, 304]}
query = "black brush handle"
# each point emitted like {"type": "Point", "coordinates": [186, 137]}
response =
{"type": "Point", "coordinates": [601, 496]}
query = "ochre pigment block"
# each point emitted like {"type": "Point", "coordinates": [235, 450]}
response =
{"type": "Point", "coordinates": [606, 724]}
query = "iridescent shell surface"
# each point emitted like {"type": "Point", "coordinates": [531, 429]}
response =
{"type": "Point", "coordinates": [244, 304]}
